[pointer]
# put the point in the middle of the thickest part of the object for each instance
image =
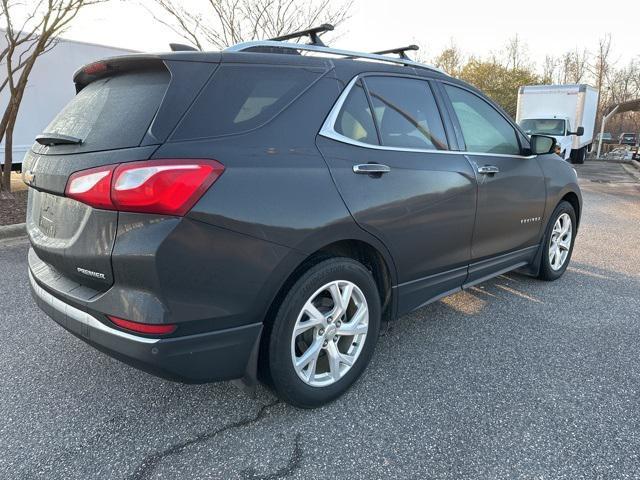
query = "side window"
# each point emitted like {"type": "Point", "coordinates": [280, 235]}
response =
{"type": "Point", "coordinates": [406, 113]}
{"type": "Point", "coordinates": [483, 128]}
{"type": "Point", "coordinates": [355, 120]}
{"type": "Point", "coordinates": [242, 97]}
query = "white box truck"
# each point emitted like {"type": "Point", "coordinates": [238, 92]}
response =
{"type": "Point", "coordinates": [566, 112]}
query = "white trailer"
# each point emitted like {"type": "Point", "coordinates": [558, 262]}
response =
{"type": "Point", "coordinates": [566, 112]}
{"type": "Point", "coordinates": [49, 89]}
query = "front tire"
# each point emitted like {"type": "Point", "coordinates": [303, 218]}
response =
{"type": "Point", "coordinates": [578, 156]}
{"type": "Point", "coordinates": [324, 333]}
{"type": "Point", "coordinates": [558, 242]}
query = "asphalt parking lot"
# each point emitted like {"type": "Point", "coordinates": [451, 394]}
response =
{"type": "Point", "coordinates": [514, 378]}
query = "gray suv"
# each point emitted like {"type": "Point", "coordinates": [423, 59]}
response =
{"type": "Point", "coordinates": [257, 213]}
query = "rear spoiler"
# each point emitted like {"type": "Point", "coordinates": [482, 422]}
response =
{"type": "Point", "coordinates": [110, 66]}
{"type": "Point", "coordinates": [135, 62]}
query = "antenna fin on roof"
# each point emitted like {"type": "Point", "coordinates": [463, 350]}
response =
{"type": "Point", "coordinates": [313, 34]}
{"type": "Point", "coordinates": [400, 51]}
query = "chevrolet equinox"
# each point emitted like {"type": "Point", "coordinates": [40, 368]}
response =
{"type": "Point", "coordinates": [258, 212]}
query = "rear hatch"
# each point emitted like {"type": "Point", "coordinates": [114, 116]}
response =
{"type": "Point", "coordinates": [124, 108]}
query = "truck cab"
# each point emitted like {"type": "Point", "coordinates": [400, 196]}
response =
{"type": "Point", "coordinates": [552, 126]}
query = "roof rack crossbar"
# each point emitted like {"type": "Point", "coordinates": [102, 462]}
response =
{"type": "Point", "coordinates": [400, 51]}
{"type": "Point", "coordinates": [258, 44]}
{"type": "Point", "coordinates": [313, 34]}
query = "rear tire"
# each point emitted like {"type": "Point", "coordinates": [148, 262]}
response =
{"type": "Point", "coordinates": [558, 242]}
{"type": "Point", "coordinates": [321, 360]}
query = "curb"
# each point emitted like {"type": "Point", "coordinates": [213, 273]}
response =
{"type": "Point", "coordinates": [13, 231]}
{"type": "Point", "coordinates": [636, 164]}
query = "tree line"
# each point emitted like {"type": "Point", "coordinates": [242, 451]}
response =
{"type": "Point", "coordinates": [220, 23]}
{"type": "Point", "coordinates": [500, 74]}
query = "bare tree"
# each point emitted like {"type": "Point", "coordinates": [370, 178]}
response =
{"type": "Point", "coordinates": [221, 23]}
{"type": "Point", "coordinates": [516, 53]}
{"type": "Point", "coordinates": [564, 68]}
{"type": "Point", "coordinates": [549, 67]}
{"type": "Point", "coordinates": [579, 65]}
{"type": "Point", "coordinates": [43, 21]}
{"type": "Point", "coordinates": [600, 71]}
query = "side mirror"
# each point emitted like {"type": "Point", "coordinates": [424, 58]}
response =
{"type": "Point", "coordinates": [541, 144]}
{"type": "Point", "coordinates": [579, 132]}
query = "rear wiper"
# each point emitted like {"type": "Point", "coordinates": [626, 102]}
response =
{"type": "Point", "coordinates": [57, 139]}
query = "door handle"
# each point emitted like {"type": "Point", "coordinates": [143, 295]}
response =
{"type": "Point", "coordinates": [488, 169]}
{"type": "Point", "coordinates": [371, 169]}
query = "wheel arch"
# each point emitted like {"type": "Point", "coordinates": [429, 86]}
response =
{"type": "Point", "coordinates": [365, 252]}
{"type": "Point", "coordinates": [573, 199]}
{"type": "Point", "coordinates": [375, 258]}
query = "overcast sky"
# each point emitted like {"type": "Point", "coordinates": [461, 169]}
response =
{"type": "Point", "coordinates": [478, 27]}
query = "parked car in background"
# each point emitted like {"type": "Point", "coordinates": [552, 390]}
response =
{"type": "Point", "coordinates": [606, 137]}
{"type": "Point", "coordinates": [628, 139]}
{"type": "Point", "coordinates": [566, 112]}
{"type": "Point", "coordinates": [203, 215]}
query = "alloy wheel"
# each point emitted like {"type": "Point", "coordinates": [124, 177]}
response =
{"type": "Point", "coordinates": [329, 333]}
{"type": "Point", "coordinates": [560, 243]}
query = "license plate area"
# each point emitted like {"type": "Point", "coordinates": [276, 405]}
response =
{"type": "Point", "coordinates": [73, 238]}
{"type": "Point", "coordinates": [49, 207]}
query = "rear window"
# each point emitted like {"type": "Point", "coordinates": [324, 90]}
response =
{"type": "Point", "coordinates": [111, 113]}
{"type": "Point", "coordinates": [242, 97]}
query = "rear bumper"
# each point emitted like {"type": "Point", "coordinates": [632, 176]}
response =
{"type": "Point", "coordinates": [204, 357]}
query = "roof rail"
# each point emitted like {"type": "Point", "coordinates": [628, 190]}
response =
{"type": "Point", "coordinates": [271, 46]}
{"type": "Point", "coordinates": [313, 34]}
{"type": "Point", "coordinates": [401, 51]}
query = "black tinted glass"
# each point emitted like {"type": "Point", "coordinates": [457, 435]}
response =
{"type": "Point", "coordinates": [406, 113]}
{"type": "Point", "coordinates": [241, 97]}
{"type": "Point", "coordinates": [110, 113]}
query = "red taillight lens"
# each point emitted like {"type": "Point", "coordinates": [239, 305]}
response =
{"type": "Point", "coordinates": [162, 186]}
{"type": "Point", "coordinates": [169, 187]}
{"type": "Point", "coordinates": [146, 328]}
{"type": "Point", "coordinates": [92, 187]}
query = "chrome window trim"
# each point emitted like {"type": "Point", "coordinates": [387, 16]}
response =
{"type": "Point", "coordinates": [328, 131]}
{"type": "Point", "coordinates": [82, 317]}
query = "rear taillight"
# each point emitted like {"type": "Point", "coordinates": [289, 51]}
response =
{"type": "Point", "coordinates": [169, 187]}
{"type": "Point", "coordinates": [92, 187]}
{"type": "Point", "coordinates": [146, 328]}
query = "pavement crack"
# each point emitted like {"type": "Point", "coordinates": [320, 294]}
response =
{"type": "Point", "coordinates": [151, 461]}
{"type": "Point", "coordinates": [293, 464]}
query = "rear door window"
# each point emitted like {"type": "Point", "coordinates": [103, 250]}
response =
{"type": "Point", "coordinates": [110, 113]}
{"type": "Point", "coordinates": [242, 97]}
{"type": "Point", "coordinates": [406, 112]}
